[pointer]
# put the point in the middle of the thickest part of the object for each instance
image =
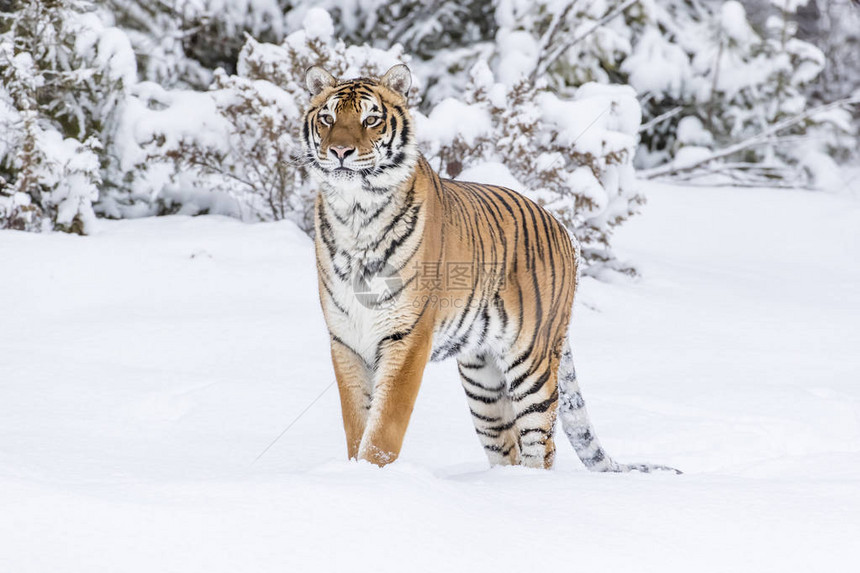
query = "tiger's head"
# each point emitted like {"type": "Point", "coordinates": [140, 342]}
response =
{"type": "Point", "coordinates": [359, 129]}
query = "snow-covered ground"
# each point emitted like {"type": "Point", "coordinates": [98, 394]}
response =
{"type": "Point", "coordinates": [143, 369]}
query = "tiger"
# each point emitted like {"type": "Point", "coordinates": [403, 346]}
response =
{"type": "Point", "coordinates": [383, 216]}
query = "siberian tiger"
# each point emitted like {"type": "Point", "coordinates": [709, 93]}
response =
{"type": "Point", "coordinates": [383, 214]}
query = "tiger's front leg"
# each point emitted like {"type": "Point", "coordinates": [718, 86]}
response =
{"type": "Point", "coordinates": [398, 378]}
{"type": "Point", "coordinates": [354, 384]}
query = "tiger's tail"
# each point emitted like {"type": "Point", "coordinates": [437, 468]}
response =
{"type": "Point", "coordinates": [577, 426]}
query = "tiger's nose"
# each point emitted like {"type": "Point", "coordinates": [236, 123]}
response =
{"type": "Point", "coordinates": [341, 151]}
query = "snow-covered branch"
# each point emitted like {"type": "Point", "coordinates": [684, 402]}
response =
{"type": "Point", "coordinates": [552, 54]}
{"type": "Point", "coordinates": [769, 135]}
{"type": "Point", "coordinates": [660, 118]}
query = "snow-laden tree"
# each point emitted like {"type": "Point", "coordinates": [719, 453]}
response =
{"type": "Point", "coordinates": [62, 84]}
{"type": "Point", "coordinates": [182, 42]}
{"type": "Point", "coordinates": [743, 109]}
{"type": "Point", "coordinates": [833, 26]}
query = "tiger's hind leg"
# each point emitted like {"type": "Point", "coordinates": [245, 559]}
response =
{"type": "Point", "coordinates": [533, 387]}
{"type": "Point", "coordinates": [492, 412]}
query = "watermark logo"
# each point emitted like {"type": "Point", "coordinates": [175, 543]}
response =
{"type": "Point", "coordinates": [380, 286]}
{"type": "Point", "coordinates": [377, 286]}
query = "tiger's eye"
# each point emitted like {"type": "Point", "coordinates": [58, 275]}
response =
{"type": "Point", "coordinates": [325, 119]}
{"type": "Point", "coordinates": [372, 121]}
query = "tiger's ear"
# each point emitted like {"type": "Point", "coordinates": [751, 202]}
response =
{"type": "Point", "coordinates": [398, 78]}
{"type": "Point", "coordinates": [317, 79]}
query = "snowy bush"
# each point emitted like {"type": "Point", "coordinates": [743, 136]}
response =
{"type": "Point", "coordinates": [63, 79]}
{"type": "Point", "coordinates": [573, 156]}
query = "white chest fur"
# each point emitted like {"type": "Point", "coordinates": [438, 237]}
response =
{"type": "Point", "coordinates": [355, 260]}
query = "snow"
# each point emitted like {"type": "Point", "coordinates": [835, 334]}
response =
{"type": "Point", "coordinates": [733, 22]}
{"type": "Point", "coordinates": [518, 53]}
{"type": "Point", "coordinates": [450, 119]}
{"type": "Point", "coordinates": [145, 367]}
{"type": "Point", "coordinates": [658, 67]}
{"type": "Point", "coordinates": [811, 61]}
{"type": "Point", "coordinates": [600, 119]}
{"type": "Point", "coordinates": [691, 131]}
{"type": "Point", "coordinates": [318, 25]}
{"type": "Point", "coordinates": [583, 180]}
{"type": "Point", "coordinates": [109, 47]}
{"type": "Point", "coordinates": [9, 117]}
{"type": "Point", "coordinates": [491, 173]}
{"type": "Point", "coordinates": [789, 5]}
{"type": "Point", "coordinates": [690, 155]}
{"type": "Point", "coordinates": [176, 115]}
{"type": "Point", "coordinates": [824, 170]}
